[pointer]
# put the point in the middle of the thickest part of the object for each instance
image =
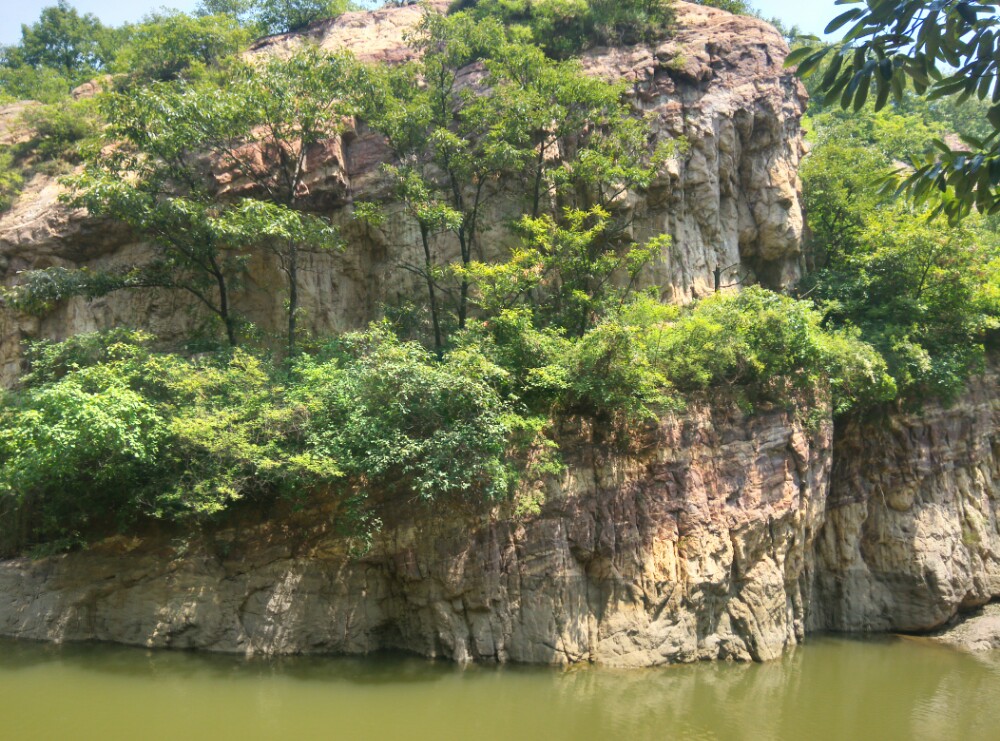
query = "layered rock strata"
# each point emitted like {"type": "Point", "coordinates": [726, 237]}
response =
{"type": "Point", "coordinates": [911, 536]}
{"type": "Point", "coordinates": [693, 546]}
{"type": "Point", "coordinates": [730, 201]}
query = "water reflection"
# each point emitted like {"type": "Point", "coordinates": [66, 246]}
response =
{"type": "Point", "coordinates": [832, 688]}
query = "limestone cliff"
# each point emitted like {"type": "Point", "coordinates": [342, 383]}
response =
{"type": "Point", "coordinates": [718, 535]}
{"type": "Point", "coordinates": [911, 534]}
{"type": "Point", "coordinates": [732, 201]}
{"type": "Point", "coordinates": [694, 545]}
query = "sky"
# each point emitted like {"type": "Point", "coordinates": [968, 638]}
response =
{"type": "Point", "coordinates": [810, 15]}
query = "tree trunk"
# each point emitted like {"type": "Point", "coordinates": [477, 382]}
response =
{"type": "Point", "coordinates": [293, 295]}
{"type": "Point", "coordinates": [428, 274]}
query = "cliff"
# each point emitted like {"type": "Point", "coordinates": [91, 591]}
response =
{"type": "Point", "coordinates": [718, 535]}
{"type": "Point", "coordinates": [732, 201]}
{"type": "Point", "coordinates": [694, 546]}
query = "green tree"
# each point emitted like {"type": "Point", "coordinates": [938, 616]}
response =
{"type": "Point", "coordinates": [64, 40]}
{"type": "Point", "coordinates": [943, 49]}
{"type": "Point", "coordinates": [282, 16]}
{"type": "Point", "coordinates": [917, 287]}
{"type": "Point", "coordinates": [167, 46]}
{"type": "Point", "coordinates": [566, 142]}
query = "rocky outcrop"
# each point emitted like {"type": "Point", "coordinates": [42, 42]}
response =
{"type": "Point", "coordinates": [977, 633]}
{"type": "Point", "coordinates": [911, 536]}
{"type": "Point", "coordinates": [718, 535]}
{"type": "Point", "coordinates": [731, 201]}
{"type": "Point", "coordinates": [693, 546]}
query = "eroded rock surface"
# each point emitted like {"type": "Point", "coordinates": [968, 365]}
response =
{"type": "Point", "coordinates": [731, 201]}
{"type": "Point", "coordinates": [912, 535]}
{"type": "Point", "coordinates": [978, 633]}
{"type": "Point", "coordinates": [692, 548]}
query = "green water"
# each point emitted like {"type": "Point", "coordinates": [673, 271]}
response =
{"type": "Point", "coordinates": [828, 689]}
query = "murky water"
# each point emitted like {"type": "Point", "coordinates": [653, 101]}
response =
{"type": "Point", "coordinates": [829, 689]}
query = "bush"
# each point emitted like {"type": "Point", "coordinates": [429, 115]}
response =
{"type": "Point", "coordinates": [770, 344]}
{"type": "Point", "coordinates": [44, 84]}
{"type": "Point", "coordinates": [11, 180]}
{"type": "Point", "coordinates": [564, 28]}
{"type": "Point", "coordinates": [104, 432]}
{"type": "Point", "coordinates": [64, 130]}
{"type": "Point", "coordinates": [281, 16]}
{"type": "Point", "coordinates": [169, 46]}
{"type": "Point", "coordinates": [396, 419]}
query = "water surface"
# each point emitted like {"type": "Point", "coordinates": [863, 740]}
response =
{"type": "Point", "coordinates": [832, 688]}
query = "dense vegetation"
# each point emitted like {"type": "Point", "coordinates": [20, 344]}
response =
{"type": "Point", "coordinates": [458, 395]}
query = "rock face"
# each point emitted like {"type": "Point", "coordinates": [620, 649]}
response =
{"type": "Point", "coordinates": [692, 548]}
{"type": "Point", "coordinates": [732, 201]}
{"type": "Point", "coordinates": [717, 536]}
{"type": "Point", "coordinates": [978, 633]}
{"type": "Point", "coordinates": [912, 534]}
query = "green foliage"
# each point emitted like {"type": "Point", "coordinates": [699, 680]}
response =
{"type": "Point", "coordinates": [564, 28]}
{"type": "Point", "coordinates": [63, 40]}
{"type": "Point", "coordinates": [58, 135]}
{"type": "Point", "coordinates": [104, 431]}
{"type": "Point", "coordinates": [44, 84]}
{"type": "Point", "coordinates": [915, 287]}
{"type": "Point", "coordinates": [458, 148]}
{"type": "Point", "coordinates": [171, 45]}
{"type": "Point", "coordinates": [739, 7]}
{"type": "Point", "coordinates": [281, 16]}
{"type": "Point", "coordinates": [66, 130]}
{"type": "Point", "coordinates": [400, 421]}
{"type": "Point", "coordinates": [770, 344]}
{"type": "Point", "coordinates": [945, 50]}
{"type": "Point", "coordinates": [575, 269]}
{"type": "Point", "coordinates": [11, 180]}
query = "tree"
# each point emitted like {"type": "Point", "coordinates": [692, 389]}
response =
{"type": "Point", "coordinates": [64, 40]}
{"type": "Point", "coordinates": [564, 141]}
{"type": "Point", "coordinates": [944, 49]}
{"type": "Point", "coordinates": [282, 16]}
{"type": "Point", "coordinates": [918, 289]}
{"type": "Point", "coordinates": [262, 122]}
{"type": "Point", "coordinates": [166, 46]}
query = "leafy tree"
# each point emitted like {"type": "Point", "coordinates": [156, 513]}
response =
{"type": "Point", "coordinates": [240, 10]}
{"type": "Point", "coordinates": [284, 109]}
{"type": "Point", "coordinates": [944, 49]}
{"type": "Point", "coordinates": [64, 40]}
{"type": "Point", "coordinates": [532, 126]}
{"type": "Point", "coordinates": [575, 273]}
{"type": "Point", "coordinates": [915, 286]}
{"type": "Point", "coordinates": [564, 28]}
{"type": "Point", "coordinates": [46, 85]}
{"type": "Point", "coordinates": [169, 45]}
{"type": "Point", "coordinates": [392, 415]}
{"type": "Point", "coordinates": [281, 16]}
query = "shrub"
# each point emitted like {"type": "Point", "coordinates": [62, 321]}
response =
{"type": "Point", "coordinates": [64, 130]}
{"type": "Point", "coordinates": [169, 46]}
{"type": "Point", "coordinates": [770, 344]}
{"type": "Point", "coordinates": [11, 180]}
{"type": "Point", "coordinates": [564, 28]}
{"type": "Point", "coordinates": [104, 431]}
{"type": "Point", "coordinates": [395, 418]}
